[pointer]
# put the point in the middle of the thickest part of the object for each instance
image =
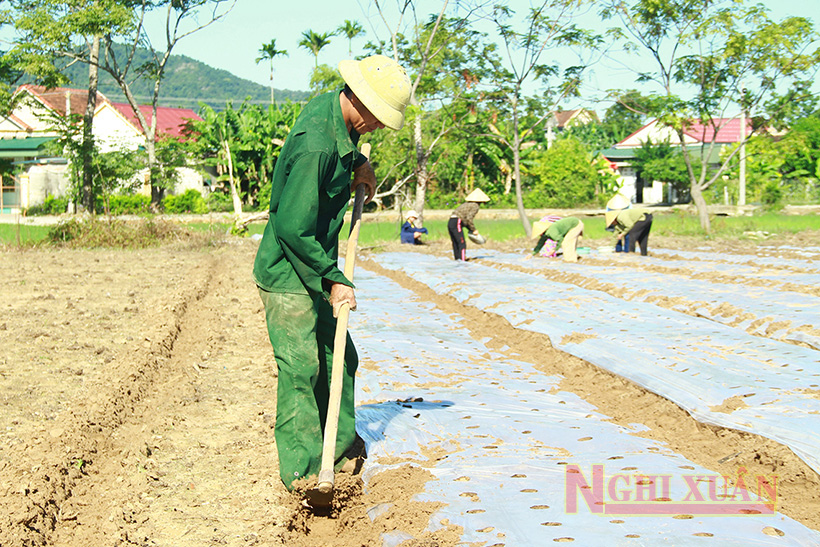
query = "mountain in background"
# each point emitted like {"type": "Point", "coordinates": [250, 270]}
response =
{"type": "Point", "coordinates": [187, 83]}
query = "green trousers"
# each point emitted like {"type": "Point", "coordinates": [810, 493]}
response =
{"type": "Point", "coordinates": [301, 330]}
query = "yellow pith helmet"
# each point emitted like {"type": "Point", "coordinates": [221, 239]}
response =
{"type": "Point", "coordinates": [477, 196]}
{"type": "Point", "coordinates": [382, 85]}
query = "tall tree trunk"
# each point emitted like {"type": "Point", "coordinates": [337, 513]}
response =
{"type": "Point", "coordinates": [157, 191]}
{"type": "Point", "coordinates": [237, 203]}
{"type": "Point", "coordinates": [88, 127]}
{"type": "Point", "coordinates": [421, 170]}
{"type": "Point", "coordinates": [519, 199]}
{"type": "Point", "coordinates": [468, 175]}
{"type": "Point", "coordinates": [700, 203]}
{"type": "Point", "coordinates": [271, 83]}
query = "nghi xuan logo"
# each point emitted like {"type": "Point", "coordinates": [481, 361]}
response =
{"type": "Point", "coordinates": [651, 494]}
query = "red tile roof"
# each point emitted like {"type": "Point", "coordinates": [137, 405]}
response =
{"type": "Point", "coordinates": [728, 130]}
{"type": "Point", "coordinates": [170, 121]}
{"type": "Point", "coordinates": [55, 98]}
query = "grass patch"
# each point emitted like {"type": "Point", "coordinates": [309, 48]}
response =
{"type": "Point", "coordinates": [22, 235]}
{"type": "Point", "coordinates": [101, 232]}
{"type": "Point", "coordinates": [665, 224]}
{"type": "Point", "coordinates": [725, 227]}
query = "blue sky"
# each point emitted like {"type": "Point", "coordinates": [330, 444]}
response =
{"type": "Point", "coordinates": [233, 44]}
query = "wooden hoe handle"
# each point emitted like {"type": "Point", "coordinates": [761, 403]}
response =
{"type": "Point", "coordinates": [326, 475]}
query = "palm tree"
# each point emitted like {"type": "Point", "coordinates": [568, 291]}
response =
{"type": "Point", "coordinates": [314, 43]}
{"type": "Point", "coordinates": [268, 52]}
{"type": "Point", "coordinates": [350, 29]}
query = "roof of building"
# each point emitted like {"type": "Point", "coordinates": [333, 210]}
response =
{"type": "Point", "coordinates": [170, 121]}
{"type": "Point", "coordinates": [22, 148]}
{"type": "Point", "coordinates": [563, 117]}
{"type": "Point", "coordinates": [721, 130]}
{"type": "Point", "coordinates": [56, 98]}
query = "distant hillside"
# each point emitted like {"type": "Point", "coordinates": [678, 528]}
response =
{"type": "Point", "coordinates": [187, 82]}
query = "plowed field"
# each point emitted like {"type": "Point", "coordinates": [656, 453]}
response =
{"type": "Point", "coordinates": [137, 395]}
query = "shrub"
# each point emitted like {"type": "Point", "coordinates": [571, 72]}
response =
{"type": "Point", "coordinates": [189, 202]}
{"type": "Point", "coordinates": [129, 204]}
{"type": "Point", "coordinates": [51, 206]}
{"type": "Point", "coordinates": [563, 176]}
{"type": "Point", "coordinates": [772, 196]}
{"type": "Point", "coordinates": [219, 202]}
{"type": "Point", "coordinates": [95, 233]}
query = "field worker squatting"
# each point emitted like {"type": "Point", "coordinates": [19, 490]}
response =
{"type": "Point", "coordinates": [296, 267]}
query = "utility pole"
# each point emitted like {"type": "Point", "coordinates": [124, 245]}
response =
{"type": "Point", "coordinates": [741, 191]}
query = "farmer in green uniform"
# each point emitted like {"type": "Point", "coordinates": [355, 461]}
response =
{"type": "Point", "coordinates": [296, 267]}
{"type": "Point", "coordinates": [635, 222]}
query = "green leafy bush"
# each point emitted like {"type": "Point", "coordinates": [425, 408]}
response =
{"type": "Point", "coordinates": [129, 204]}
{"type": "Point", "coordinates": [219, 202]}
{"type": "Point", "coordinates": [443, 201]}
{"type": "Point", "coordinates": [772, 196]}
{"type": "Point", "coordinates": [564, 176]}
{"type": "Point", "coordinates": [189, 202]}
{"type": "Point", "coordinates": [51, 206]}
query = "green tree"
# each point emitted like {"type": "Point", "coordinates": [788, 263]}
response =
{"type": "Point", "coordinates": [41, 50]}
{"type": "Point", "coordinates": [268, 52]}
{"type": "Point", "coordinates": [117, 170]}
{"type": "Point", "coordinates": [113, 170]}
{"type": "Point", "coordinates": [350, 29]}
{"type": "Point", "coordinates": [436, 52]}
{"type": "Point", "coordinates": [626, 115]}
{"type": "Point", "coordinates": [325, 78]}
{"type": "Point", "coordinates": [791, 163]}
{"type": "Point", "coordinates": [710, 57]}
{"type": "Point", "coordinates": [315, 42]}
{"type": "Point", "coordinates": [765, 160]}
{"type": "Point", "coordinates": [548, 26]}
{"type": "Point", "coordinates": [243, 145]}
{"type": "Point", "coordinates": [664, 163]}
{"type": "Point", "coordinates": [50, 29]}
{"type": "Point", "coordinates": [563, 176]}
{"type": "Point", "coordinates": [801, 148]}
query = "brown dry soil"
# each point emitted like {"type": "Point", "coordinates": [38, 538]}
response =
{"type": "Point", "coordinates": [138, 402]}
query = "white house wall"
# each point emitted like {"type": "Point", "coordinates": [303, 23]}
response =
{"type": "Point", "coordinates": [42, 181]}
{"type": "Point", "coordinates": [629, 181]}
{"type": "Point", "coordinates": [190, 179]}
{"type": "Point", "coordinates": [113, 132]}
{"type": "Point", "coordinates": [35, 115]}
{"type": "Point", "coordinates": [11, 130]}
{"type": "Point", "coordinates": [655, 133]}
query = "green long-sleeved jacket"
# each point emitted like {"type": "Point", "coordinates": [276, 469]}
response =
{"type": "Point", "coordinates": [309, 195]}
{"type": "Point", "coordinates": [627, 218]}
{"type": "Point", "coordinates": [557, 231]}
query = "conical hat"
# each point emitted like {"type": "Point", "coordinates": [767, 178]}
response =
{"type": "Point", "coordinates": [541, 226]}
{"type": "Point", "coordinates": [477, 196]}
{"type": "Point", "coordinates": [617, 203]}
{"type": "Point", "coordinates": [609, 217]}
{"type": "Point", "coordinates": [538, 228]}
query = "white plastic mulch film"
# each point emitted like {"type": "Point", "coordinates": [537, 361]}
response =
{"type": "Point", "coordinates": [510, 450]}
{"type": "Point", "coordinates": [720, 374]}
